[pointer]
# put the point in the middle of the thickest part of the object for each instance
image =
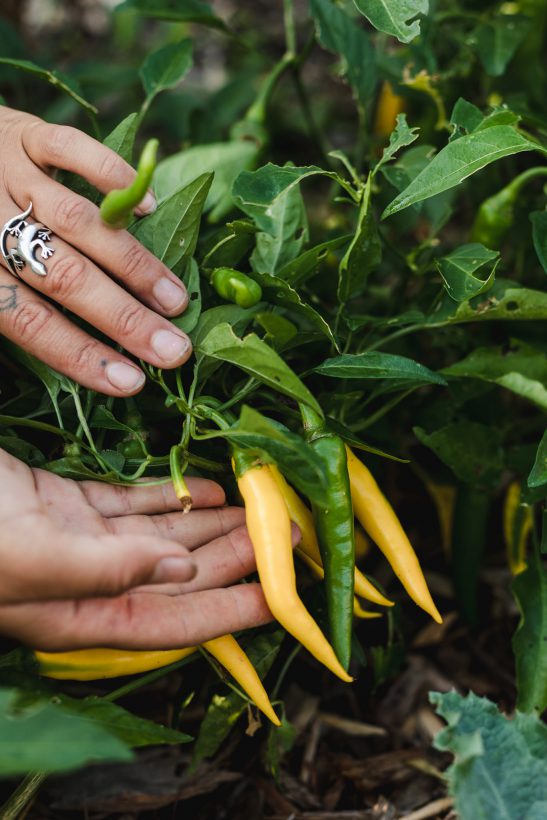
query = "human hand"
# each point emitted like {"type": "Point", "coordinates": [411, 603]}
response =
{"type": "Point", "coordinates": [87, 564]}
{"type": "Point", "coordinates": [30, 152]}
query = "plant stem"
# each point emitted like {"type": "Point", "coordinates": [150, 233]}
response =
{"type": "Point", "coordinates": [290, 29]}
{"type": "Point", "coordinates": [22, 796]}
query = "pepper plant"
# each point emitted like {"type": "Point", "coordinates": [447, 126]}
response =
{"type": "Point", "coordinates": [361, 225]}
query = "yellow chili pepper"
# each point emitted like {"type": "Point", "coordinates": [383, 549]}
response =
{"type": "Point", "coordinates": [228, 652]}
{"type": "Point", "coordinates": [378, 518]}
{"type": "Point", "coordinates": [388, 107]}
{"type": "Point", "coordinates": [309, 545]}
{"type": "Point", "coordinates": [94, 664]}
{"type": "Point", "coordinates": [444, 498]}
{"type": "Point", "coordinates": [517, 525]}
{"type": "Point", "coordinates": [269, 527]}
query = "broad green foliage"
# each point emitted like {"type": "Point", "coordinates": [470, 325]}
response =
{"type": "Point", "coordinates": [42, 736]}
{"type": "Point", "coordinates": [459, 160]}
{"type": "Point", "coordinates": [500, 769]}
{"type": "Point", "coordinates": [395, 17]}
{"type": "Point", "coordinates": [382, 308]}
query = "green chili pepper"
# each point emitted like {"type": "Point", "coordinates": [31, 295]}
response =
{"type": "Point", "coordinates": [177, 465]}
{"type": "Point", "coordinates": [236, 287]}
{"type": "Point", "coordinates": [496, 214]}
{"type": "Point", "coordinates": [335, 531]}
{"type": "Point", "coordinates": [118, 205]}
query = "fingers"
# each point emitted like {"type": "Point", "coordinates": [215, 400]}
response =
{"type": "Point", "coordinates": [77, 284]}
{"type": "Point", "coordinates": [193, 530]}
{"type": "Point", "coordinates": [61, 146]}
{"type": "Point", "coordinates": [77, 221]}
{"type": "Point", "coordinates": [40, 561]}
{"type": "Point", "coordinates": [136, 621]}
{"type": "Point", "coordinates": [220, 563]}
{"type": "Point", "coordinates": [112, 501]}
{"type": "Point", "coordinates": [36, 326]}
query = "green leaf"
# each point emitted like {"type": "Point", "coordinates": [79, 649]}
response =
{"type": "Point", "coordinates": [254, 192]}
{"type": "Point", "coordinates": [122, 138]}
{"type": "Point", "coordinates": [363, 255]}
{"type": "Point", "coordinates": [289, 232]}
{"type": "Point", "coordinates": [189, 11]}
{"type": "Point", "coordinates": [171, 232]}
{"type": "Point", "coordinates": [459, 160]}
{"type": "Point", "coordinates": [435, 211]}
{"type": "Point", "coordinates": [45, 737]}
{"type": "Point", "coordinates": [257, 359]}
{"type": "Point", "coordinates": [496, 41]}
{"type": "Point", "coordinates": [539, 234]}
{"type": "Point", "coordinates": [224, 712]}
{"type": "Point", "coordinates": [521, 369]}
{"type": "Point", "coordinates": [189, 319]}
{"type": "Point", "coordinates": [538, 474]}
{"type": "Point", "coordinates": [399, 138]}
{"type": "Point", "coordinates": [225, 159]}
{"type": "Point", "coordinates": [395, 17]}
{"type": "Point", "coordinates": [500, 768]}
{"type": "Point", "coordinates": [471, 450]}
{"type": "Point", "coordinates": [165, 68]}
{"type": "Point", "coordinates": [375, 365]}
{"type": "Point", "coordinates": [465, 116]}
{"type": "Point", "coordinates": [458, 268]}
{"type": "Point", "coordinates": [65, 84]}
{"type": "Point", "coordinates": [339, 33]}
{"type": "Point", "coordinates": [278, 292]}
{"type": "Point", "coordinates": [506, 300]}
{"type": "Point", "coordinates": [530, 638]}
{"type": "Point", "coordinates": [293, 455]}
{"type": "Point", "coordinates": [279, 331]}
{"type": "Point", "coordinates": [306, 265]}
{"type": "Point", "coordinates": [134, 731]}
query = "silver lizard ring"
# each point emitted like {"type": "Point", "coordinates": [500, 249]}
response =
{"type": "Point", "coordinates": [29, 239]}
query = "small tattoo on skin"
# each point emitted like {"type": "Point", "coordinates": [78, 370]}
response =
{"type": "Point", "coordinates": [8, 297]}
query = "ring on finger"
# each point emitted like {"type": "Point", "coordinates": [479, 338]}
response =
{"type": "Point", "coordinates": [30, 237]}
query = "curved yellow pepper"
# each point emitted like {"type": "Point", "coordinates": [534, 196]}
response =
{"type": "Point", "coordinates": [269, 527]}
{"type": "Point", "coordinates": [94, 664]}
{"type": "Point", "coordinates": [389, 105]}
{"type": "Point", "coordinates": [378, 518]}
{"type": "Point", "coordinates": [309, 545]}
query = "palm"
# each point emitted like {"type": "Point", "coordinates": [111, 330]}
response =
{"type": "Point", "coordinates": [88, 564]}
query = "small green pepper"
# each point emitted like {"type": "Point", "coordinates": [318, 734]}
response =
{"type": "Point", "coordinates": [236, 287]}
{"type": "Point", "coordinates": [335, 531]}
{"type": "Point", "coordinates": [118, 205]}
{"type": "Point", "coordinates": [496, 214]}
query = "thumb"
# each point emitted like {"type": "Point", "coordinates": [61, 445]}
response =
{"type": "Point", "coordinates": [42, 562]}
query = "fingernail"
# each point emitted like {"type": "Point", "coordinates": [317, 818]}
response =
{"type": "Point", "coordinates": [169, 346]}
{"type": "Point", "coordinates": [173, 569]}
{"type": "Point", "coordinates": [147, 206]}
{"type": "Point", "coordinates": [169, 294]}
{"type": "Point", "coordinates": [124, 376]}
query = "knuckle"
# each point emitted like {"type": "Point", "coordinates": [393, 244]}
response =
{"type": "Point", "coordinates": [136, 260]}
{"type": "Point", "coordinates": [71, 213]}
{"type": "Point", "coordinates": [130, 319]}
{"type": "Point", "coordinates": [55, 139]}
{"type": "Point", "coordinates": [29, 319]}
{"type": "Point", "coordinates": [65, 275]}
{"type": "Point", "coordinates": [86, 355]}
{"type": "Point", "coordinates": [111, 167]}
